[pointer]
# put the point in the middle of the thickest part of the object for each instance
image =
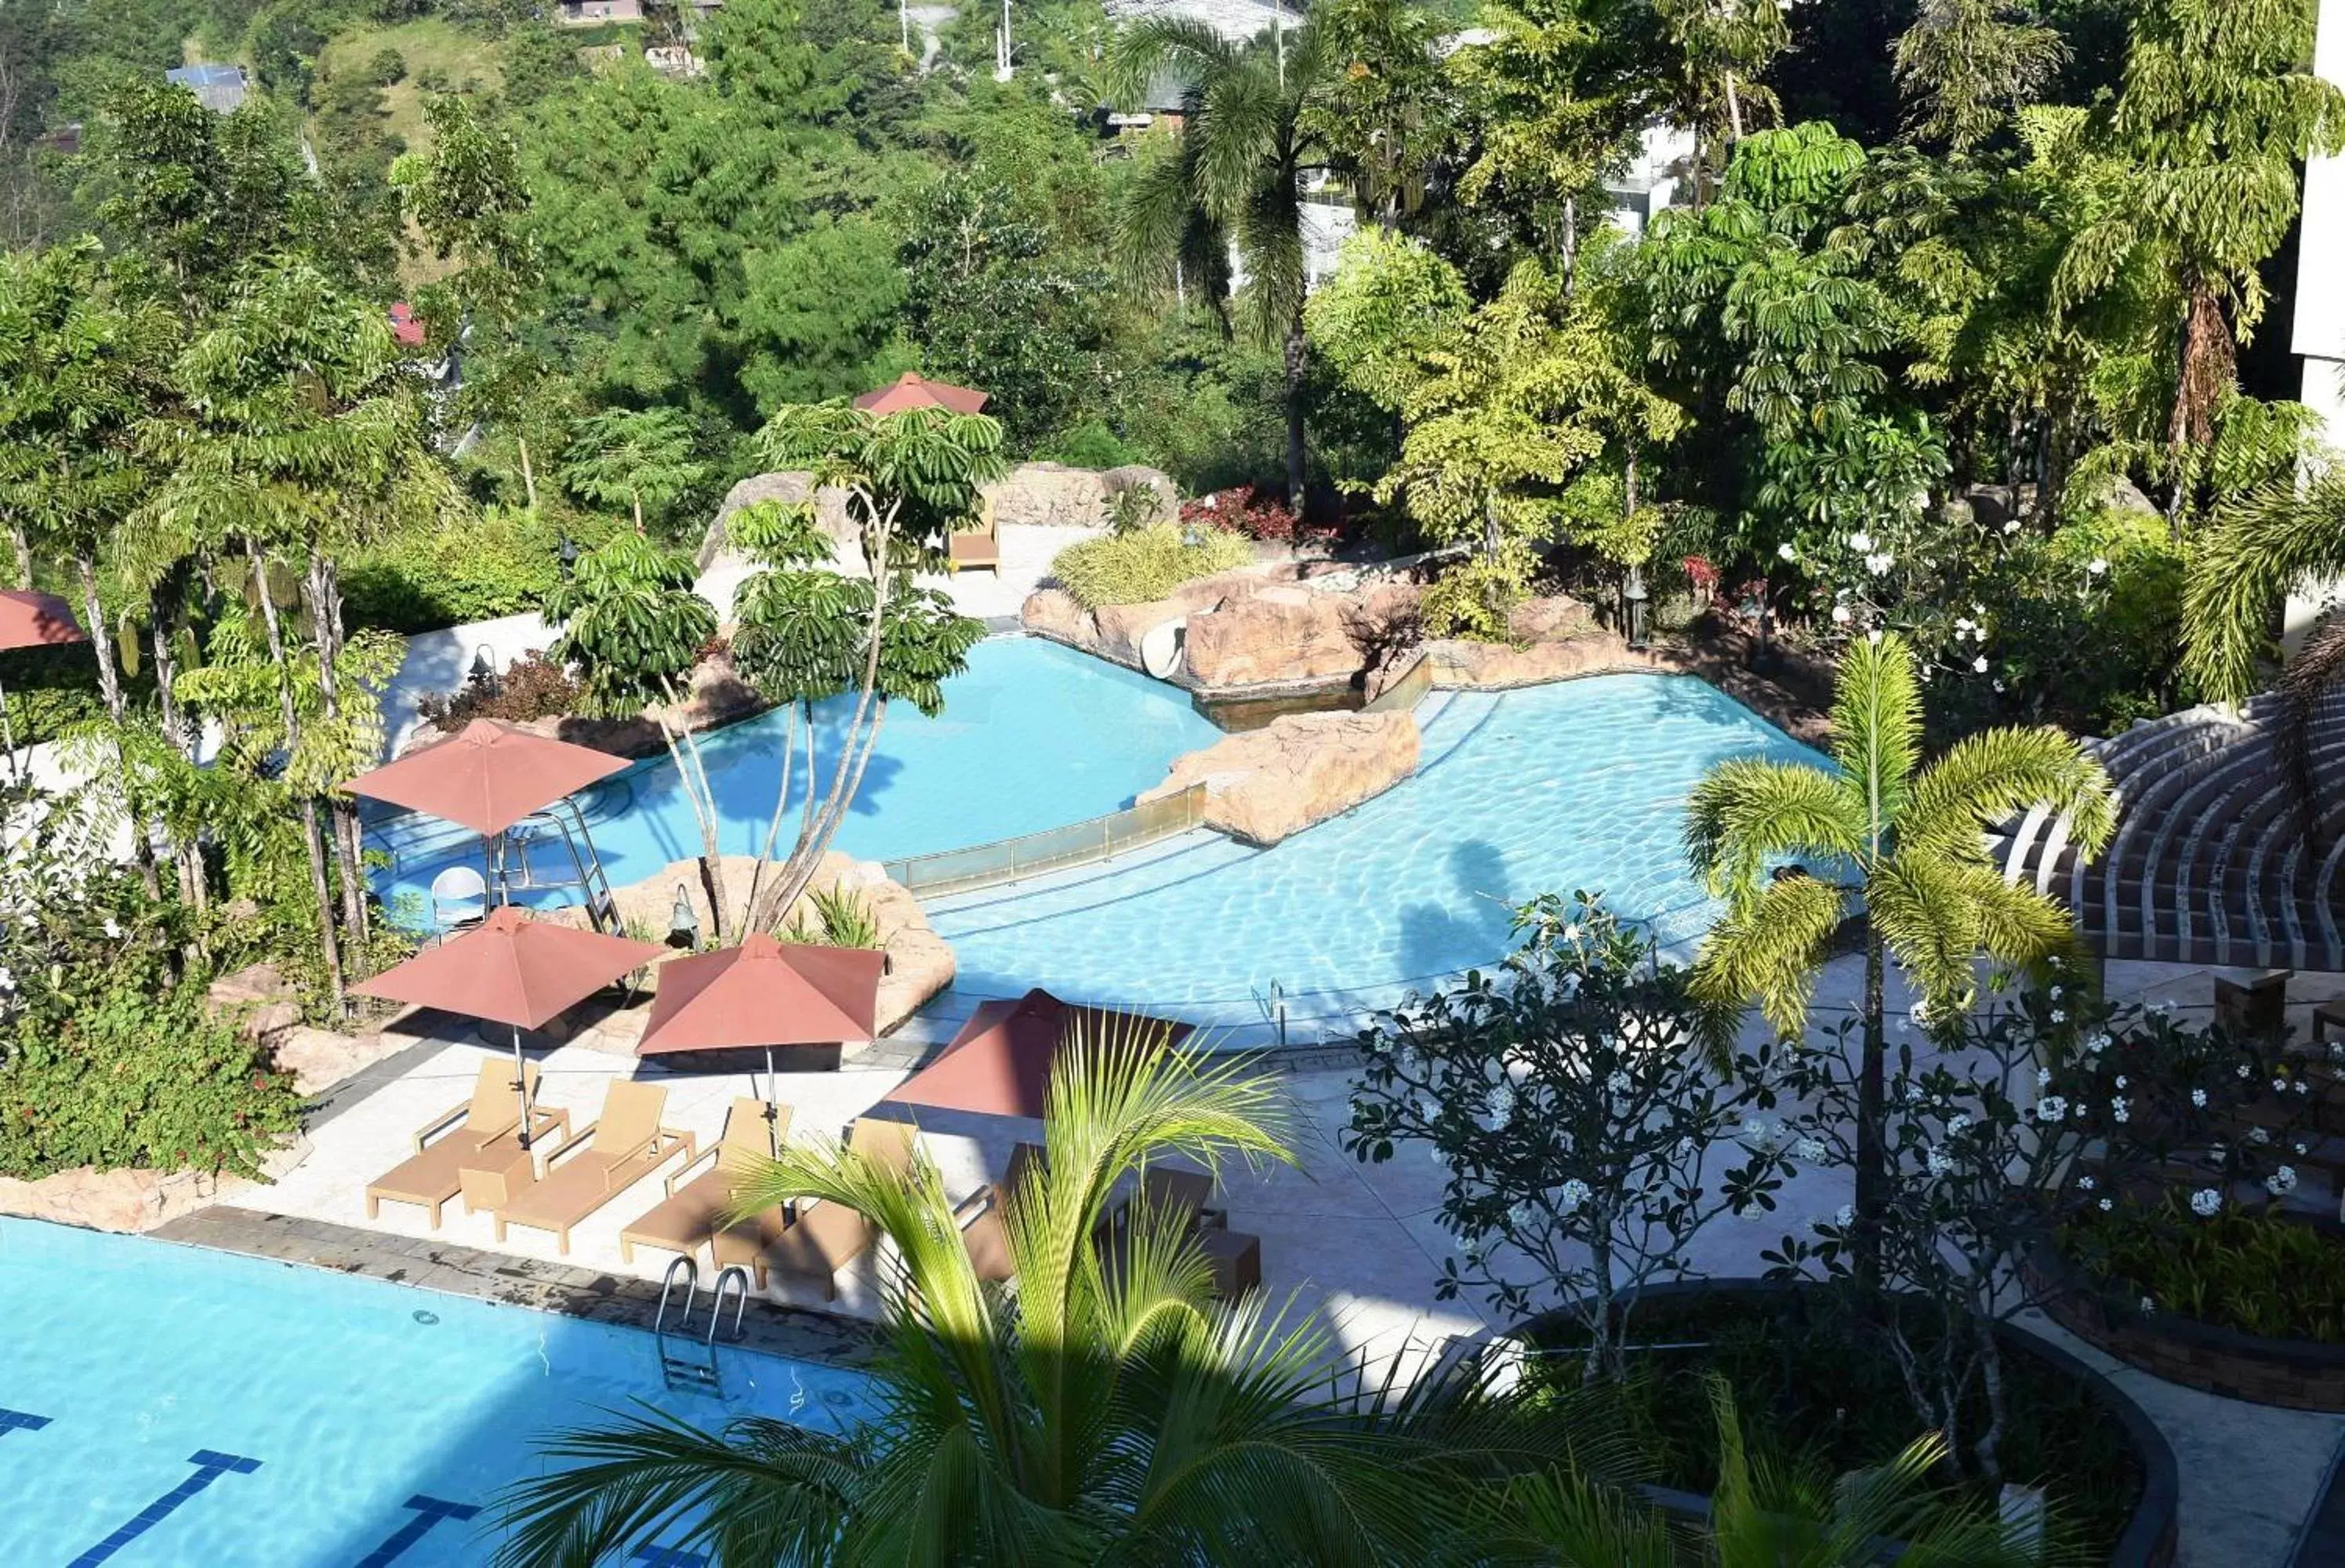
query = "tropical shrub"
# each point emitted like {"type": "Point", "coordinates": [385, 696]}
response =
{"type": "Point", "coordinates": [1250, 510]}
{"type": "Point", "coordinates": [843, 917]}
{"type": "Point", "coordinates": [1476, 598]}
{"type": "Point", "coordinates": [1146, 563]}
{"type": "Point", "coordinates": [2259, 1272]}
{"type": "Point", "coordinates": [499, 561]}
{"type": "Point", "coordinates": [532, 687]}
{"type": "Point", "coordinates": [108, 1055]}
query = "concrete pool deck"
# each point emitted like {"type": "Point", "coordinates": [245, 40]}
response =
{"type": "Point", "coordinates": [1361, 1242]}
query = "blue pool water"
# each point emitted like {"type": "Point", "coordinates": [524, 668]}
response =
{"type": "Point", "coordinates": [1579, 785]}
{"type": "Point", "coordinates": [1032, 736]}
{"type": "Point", "coordinates": [164, 1407]}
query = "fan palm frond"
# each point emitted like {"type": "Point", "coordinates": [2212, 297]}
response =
{"type": "Point", "coordinates": [2318, 667]}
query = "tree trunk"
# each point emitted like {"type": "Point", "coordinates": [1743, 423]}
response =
{"type": "Point", "coordinates": [1734, 109]}
{"type": "Point", "coordinates": [1872, 1166]}
{"type": "Point", "coordinates": [1989, 1447]}
{"type": "Point", "coordinates": [109, 685]}
{"type": "Point", "coordinates": [24, 555]}
{"type": "Point", "coordinates": [187, 852]}
{"type": "Point", "coordinates": [1295, 356]}
{"type": "Point", "coordinates": [320, 884]}
{"type": "Point", "coordinates": [1569, 248]}
{"type": "Point", "coordinates": [322, 586]}
{"type": "Point", "coordinates": [528, 477]}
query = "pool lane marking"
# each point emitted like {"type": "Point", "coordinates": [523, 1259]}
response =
{"type": "Point", "coordinates": [211, 1465]}
{"type": "Point", "coordinates": [21, 1421]}
{"type": "Point", "coordinates": [428, 1511]}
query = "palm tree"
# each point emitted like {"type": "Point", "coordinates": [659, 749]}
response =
{"type": "Point", "coordinates": [2259, 547]}
{"type": "Point", "coordinates": [1246, 141]}
{"type": "Point", "coordinates": [1911, 837]}
{"type": "Point", "coordinates": [1106, 1411]}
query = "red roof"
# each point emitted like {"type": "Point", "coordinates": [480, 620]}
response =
{"type": "Point", "coordinates": [913, 390]}
{"type": "Point", "coordinates": [405, 327]}
{"type": "Point", "coordinates": [764, 992]}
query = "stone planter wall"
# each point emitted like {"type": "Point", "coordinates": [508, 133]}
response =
{"type": "Point", "coordinates": [2295, 1374]}
{"type": "Point", "coordinates": [131, 1201]}
{"type": "Point", "coordinates": [2150, 1538]}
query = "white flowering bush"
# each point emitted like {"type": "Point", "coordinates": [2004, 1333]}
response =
{"type": "Point", "coordinates": [2039, 1107]}
{"type": "Point", "coordinates": [1574, 1119]}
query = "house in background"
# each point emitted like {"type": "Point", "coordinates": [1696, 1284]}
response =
{"type": "Point", "coordinates": [594, 13]}
{"type": "Point", "coordinates": [220, 89]}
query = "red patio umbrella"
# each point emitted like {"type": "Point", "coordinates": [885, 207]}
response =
{"type": "Point", "coordinates": [999, 1064]}
{"type": "Point", "coordinates": [487, 776]}
{"type": "Point", "coordinates": [30, 620]}
{"type": "Point", "coordinates": [765, 993]}
{"type": "Point", "coordinates": [511, 969]}
{"type": "Point", "coordinates": [913, 390]}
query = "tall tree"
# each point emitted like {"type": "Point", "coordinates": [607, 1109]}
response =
{"type": "Point", "coordinates": [302, 438]}
{"type": "Point", "coordinates": [1909, 837]}
{"type": "Point", "coordinates": [82, 362]}
{"type": "Point", "coordinates": [1103, 1411]}
{"type": "Point", "coordinates": [2218, 110]}
{"type": "Point", "coordinates": [1384, 116]}
{"type": "Point", "coordinates": [1247, 138]}
{"type": "Point", "coordinates": [1722, 50]}
{"type": "Point", "coordinates": [807, 633]}
{"type": "Point", "coordinates": [1966, 67]}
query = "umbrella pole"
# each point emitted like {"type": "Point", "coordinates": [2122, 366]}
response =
{"type": "Point", "coordinates": [520, 1084]}
{"type": "Point", "coordinates": [773, 1117]}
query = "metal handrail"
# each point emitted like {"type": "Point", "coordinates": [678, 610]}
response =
{"type": "Point", "coordinates": [667, 1284]}
{"type": "Point", "coordinates": [1077, 843]}
{"type": "Point", "coordinates": [738, 1277]}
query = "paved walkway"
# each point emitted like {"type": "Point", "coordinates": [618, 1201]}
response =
{"type": "Point", "coordinates": [1361, 1242]}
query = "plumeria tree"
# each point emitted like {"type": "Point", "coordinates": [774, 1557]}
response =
{"type": "Point", "coordinates": [1576, 1115]}
{"type": "Point", "coordinates": [2019, 1117]}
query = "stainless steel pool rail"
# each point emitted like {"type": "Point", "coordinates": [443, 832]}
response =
{"type": "Point", "coordinates": [694, 1363]}
{"type": "Point", "coordinates": [1077, 843]}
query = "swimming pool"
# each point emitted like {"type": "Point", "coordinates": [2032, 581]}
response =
{"type": "Point", "coordinates": [165, 1405]}
{"type": "Point", "coordinates": [1033, 736]}
{"type": "Point", "coordinates": [1580, 785]}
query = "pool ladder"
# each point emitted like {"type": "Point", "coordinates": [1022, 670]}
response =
{"type": "Point", "coordinates": [689, 1361]}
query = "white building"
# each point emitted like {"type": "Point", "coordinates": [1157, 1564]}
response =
{"type": "Point", "coordinates": [2320, 324]}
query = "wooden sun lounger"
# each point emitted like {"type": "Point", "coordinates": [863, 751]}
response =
{"type": "Point", "coordinates": [975, 549]}
{"type": "Point", "coordinates": [816, 1239]}
{"type": "Point", "coordinates": [482, 1131]}
{"type": "Point", "coordinates": [624, 1144]}
{"type": "Point", "coordinates": [696, 1208]}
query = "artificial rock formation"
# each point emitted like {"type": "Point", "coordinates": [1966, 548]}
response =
{"type": "Point", "coordinates": [919, 962]}
{"type": "Point", "coordinates": [1053, 495]}
{"type": "Point", "coordinates": [131, 1201]}
{"type": "Point", "coordinates": [1263, 784]}
{"type": "Point", "coordinates": [1288, 633]}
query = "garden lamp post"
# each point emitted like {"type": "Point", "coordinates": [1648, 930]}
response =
{"type": "Point", "coordinates": [683, 922]}
{"type": "Point", "coordinates": [1637, 597]}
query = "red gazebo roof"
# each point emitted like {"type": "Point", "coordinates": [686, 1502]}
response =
{"type": "Point", "coordinates": [999, 1064]}
{"type": "Point", "coordinates": [30, 620]}
{"type": "Point", "coordinates": [913, 390]}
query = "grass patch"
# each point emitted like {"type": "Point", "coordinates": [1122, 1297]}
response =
{"type": "Point", "coordinates": [432, 48]}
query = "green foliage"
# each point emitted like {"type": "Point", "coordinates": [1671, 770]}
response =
{"type": "Point", "coordinates": [2267, 1273]}
{"type": "Point", "coordinates": [645, 458]}
{"type": "Point", "coordinates": [109, 1054]}
{"type": "Point", "coordinates": [1391, 306]}
{"type": "Point", "coordinates": [842, 918]}
{"type": "Point", "coordinates": [1146, 563]}
{"type": "Point", "coordinates": [1477, 599]}
{"type": "Point", "coordinates": [531, 687]}
{"type": "Point", "coordinates": [1964, 67]}
{"type": "Point", "coordinates": [479, 565]}
{"type": "Point", "coordinates": [630, 624]}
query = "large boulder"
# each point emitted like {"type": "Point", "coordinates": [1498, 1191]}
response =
{"type": "Point", "coordinates": [1281, 634]}
{"type": "Point", "coordinates": [1302, 768]}
{"type": "Point", "coordinates": [130, 1201]}
{"type": "Point", "coordinates": [791, 487]}
{"type": "Point", "coordinates": [1054, 495]}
